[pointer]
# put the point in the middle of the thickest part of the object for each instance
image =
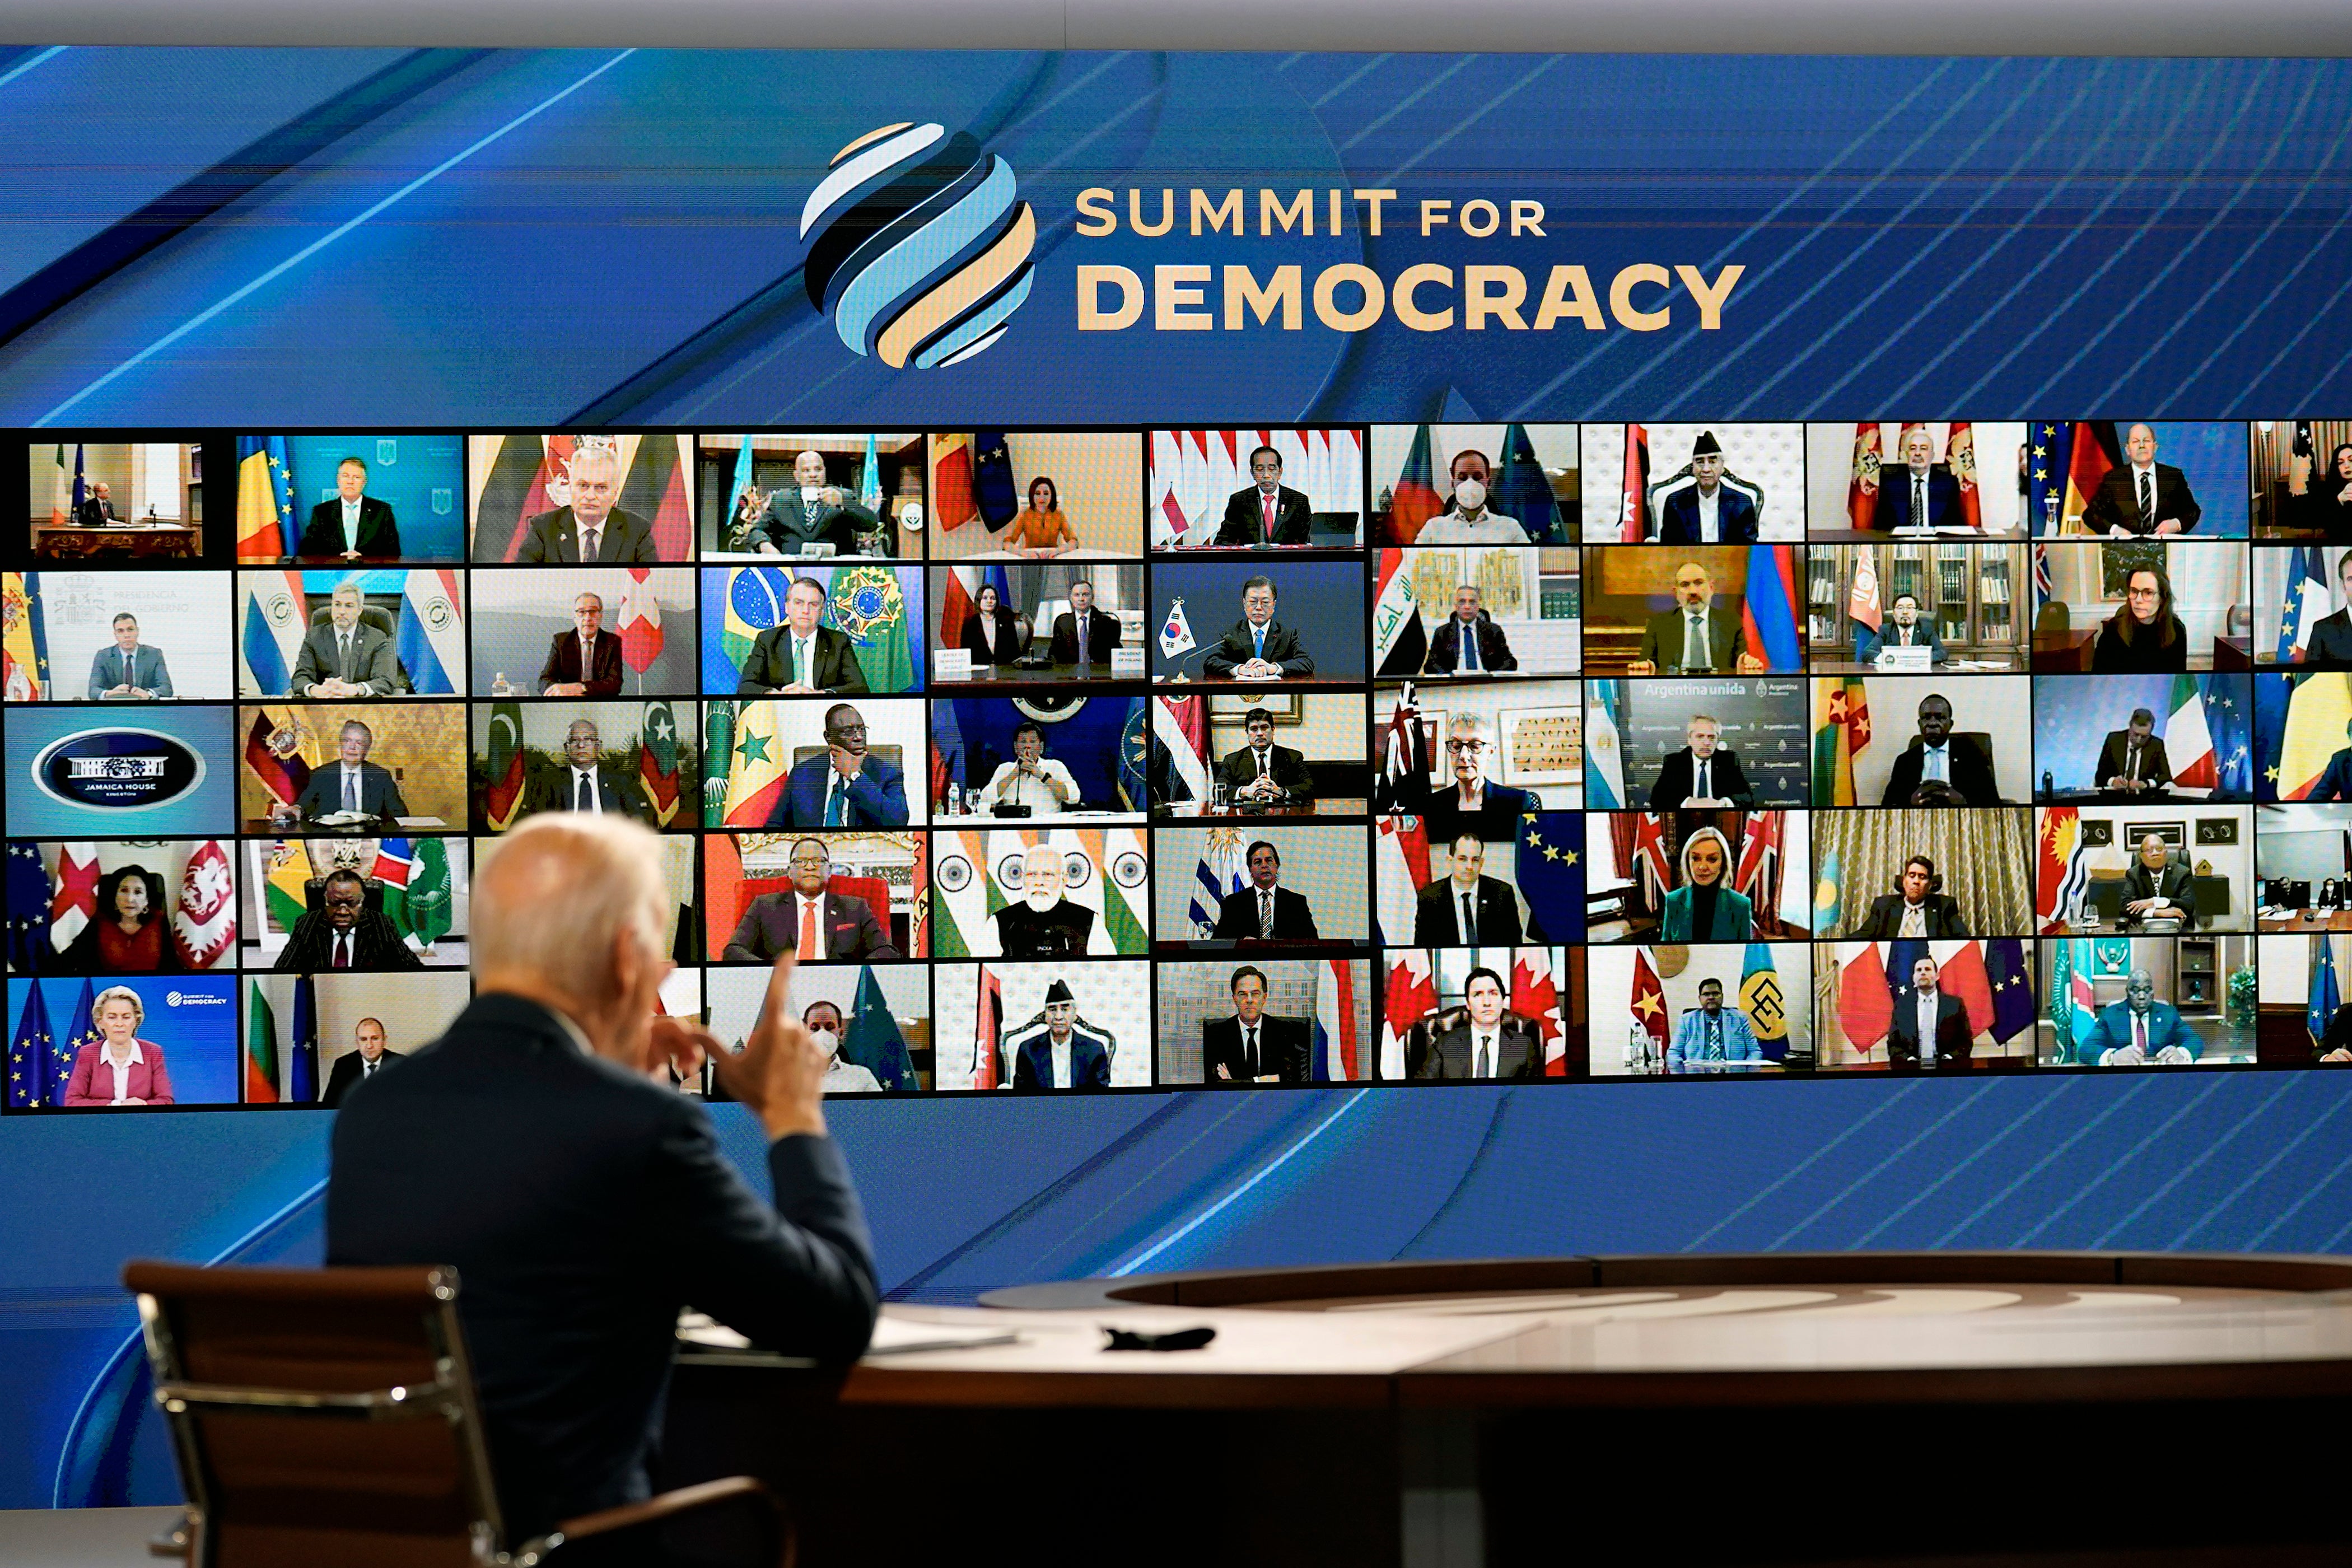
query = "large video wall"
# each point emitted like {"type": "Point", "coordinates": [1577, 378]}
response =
{"type": "Point", "coordinates": [1158, 758]}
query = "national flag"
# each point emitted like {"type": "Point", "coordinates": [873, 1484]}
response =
{"type": "Point", "coordinates": [958, 604]}
{"type": "Point", "coordinates": [1122, 919]}
{"type": "Point", "coordinates": [2187, 741]}
{"type": "Point", "coordinates": [2228, 722]}
{"type": "Point", "coordinates": [1759, 875]}
{"type": "Point", "coordinates": [1861, 479]}
{"type": "Point", "coordinates": [1405, 755]}
{"type": "Point", "coordinates": [1410, 995]}
{"type": "Point", "coordinates": [1650, 855]}
{"type": "Point", "coordinates": [1902, 955]}
{"type": "Point", "coordinates": [1866, 1006]}
{"type": "Point", "coordinates": [947, 750]}
{"type": "Point", "coordinates": [1176, 631]}
{"type": "Point", "coordinates": [2302, 456]}
{"type": "Point", "coordinates": [74, 903]}
{"type": "Point", "coordinates": [968, 894]}
{"type": "Point", "coordinates": [2317, 714]}
{"type": "Point", "coordinates": [1829, 895]}
{"type": "Point", "coordinates": [869, 479]}
{"type": "Point", "coordinates": [1222, 871]}
{"type": "Point", "coordinates": [1400, 641]}
{"type": "Point", "coordinates": [952, 503]}
{"type": "Point", "coordinates": [1415, 498]}
{"type": "Point", "coordinates": [870, 1037]}
{"type": "Point", "coordinates": [2305, 603]}
{"type": "Point", "coordinates": [1768, 608]}
{"type": "Point", "coordinates": [1845, 705]}
{"type": "Point", "coordinates": [745, 482]}
{"type": "Point", "coordinates": [2011, 978]}
{"type": "Point", "coordinates": [1647, 1002]}
{"type": "Point", "coordinates": [516, 481]}
{"type": "Point", "coordinates": [868, 605]}
{"type": "Point", "coordinates": [994, 493]}
{"type": "Point", "coordinates": [1604, 750]}
{"type": "Point", "coordinates": [303, 1048]}
{"type": "Point", "coordinates": [2073, 1012]}
{"type": "Point", "coordinates": [1760, 999]}
{"type": "Point", "coordinates": [1634, 490]}
{"type": "Point", "coordinates": [756, 768]}
{"type": "Point", "coordinates": [33, 1081]}
{"type": "Point", "coordinates": [285, 874]}
{"type": "Point", "coordinates": [260, 1074]}
{"type": "Point", "coordinates": [655, 488]}
{"type": "Point", "coordinates": [1402, 872]}
{"type": "Point", "coordinates": [2061, 869]}
{"type": "Point", "coordinates": [754, 604]}
{"type": "Point", "coordinates": [395, 862]}
{"type": "Point", "coordinates": [1534, 995]}
{"type": "Point", "coordinates": [78, 1028]}
{"type": "Point", "coordinates": [81, 485]}
{"type": "Point", "coordinates": [1179, 728]}
{"type": "Point", "coordinates": [641, 623]}
{"type": "Point", "coordinates": [1966, 976]}
{"type": "Point", "coordinates": [277, 615]}
{"type": "Point", "coordinates": [266, 529]}
{"type": "Point", "coordinates": [203, 928]}
{"type": "Point", "coordinates": [1135, 756]}
{"type": "Point", "coordinates": [1861, 605]}
{"type": "Point", "coordinates": [1960, 456]}
{"type": "Point", "coordinates": [988, 1030]}
{"type": "Point", "coordinates": [2095, 452]}
{"type": "Point", "coordinates": [2045, 476]}
{"type": "Point", "coordinates": [658, 761]}
{"type": "Point", "coordinates": [1522, 489]}
{"type": "Point", "coordinates": [2271, 693]}
{"type": "Point", "coordinates": [2326, 998]}
{"type": "Point", "coordinates": [24, 639]}
{"type": "Point", "coordinates": [61, 487]}
{"type": "Point", "coordinates": [2043, 591]}
{"type": "Point", "coordinates": [1550, 868]}
{"type": "Point", "coordinates": [1338, 1057]}
{"type": "Point", "coordinates": [28, 909]}
{"type": "Point", "coordinates": [503, 764]}
{"type": "Point", "coordinates": [432, 635]}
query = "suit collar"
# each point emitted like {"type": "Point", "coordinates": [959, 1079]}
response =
{"type": "Point", "coordinates": [537, 1027]}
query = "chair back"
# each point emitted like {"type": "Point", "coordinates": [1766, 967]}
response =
{"type": "Point", "coordinates": [892, 753]}
{"type": "Point", "coordinates": [320, 1415]}
{"type": "Point", "coordinates": [872, 889]}
{"type": "Point", "coordinates": [374, 616]}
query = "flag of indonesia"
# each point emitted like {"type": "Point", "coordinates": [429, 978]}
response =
{"type": "Point", "coordinates": [1533, 995]}
{"type": "Point", "coordinates": [2188, 744]}
{"type": "Point", "coordinates": [75, 902]}
{"type": "Point", "coordinates": [205, 925]}
{"type": "Point", "coordinates": [641, 628]}
{"type": "Point", "coordinates": [1412, 996]}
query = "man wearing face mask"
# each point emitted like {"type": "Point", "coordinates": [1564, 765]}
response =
{"type": "Point", "coordinates": [809, 511]}
{"type": "Point", "coordinates": [823, 1022]}
{"type": "Point", "coordinates": [1904, 627]}
{"type": "Point", "coordinates": [1269, 512]}
{"type": "Point", "coordinates": [846, 786]}
{"type": "Point", "coordinates": [2137, 1031]}
{"type": "Point", "coordinates": [1695, 637]}
{"type": "Point", "coordinates": [1044, 924]}
{"type": "Point", "coordinates": [1709, 512]}
{"type": "Point", "coordinates": [1920, 494]}
{"type": "Point", "coordinates": [1467, 519]}
{"type": "Point", "coordinates": [1938, 768]}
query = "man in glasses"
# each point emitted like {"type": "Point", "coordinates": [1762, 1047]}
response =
{"type": "Point", "coordinates": [846, 786]}
{"type": "Point", "coordinates": [1473, 803]}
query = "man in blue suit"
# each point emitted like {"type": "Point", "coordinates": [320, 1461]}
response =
{"type": "Point", "coordinates": [2138, 1030]}
{"type": "Point", "coordinates": [846, 787]}
{"type": "Point", "coordinates": [1904, 629]}
{"type": "Point", "coordinates": [1710, 513]}
{"type": "Point", "coordinates": [1063, 1056]}
{"type": "Point", "coordinates": [127, 670]}
{"type": "Point", "coordinates": [1918, 494]}
{"type": "Point", "coordinates": [2336, 784]}
{"type": "Point", "coordinates": [1711, 1035]}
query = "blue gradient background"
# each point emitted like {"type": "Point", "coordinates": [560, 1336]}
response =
{"type": "Point", "coordinates": [536, 238]}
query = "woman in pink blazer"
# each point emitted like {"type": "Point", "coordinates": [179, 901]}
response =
{"type": "Point", "coordinates": [120, 1069]}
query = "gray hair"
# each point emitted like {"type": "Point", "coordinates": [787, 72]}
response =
{"type": "Point", "coordinates": [602, 873]}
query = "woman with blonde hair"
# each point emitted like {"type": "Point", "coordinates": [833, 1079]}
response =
{"type": "Point", "coordinates": [1704, 908]}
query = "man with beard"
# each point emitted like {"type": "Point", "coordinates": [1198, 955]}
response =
{"type": "Point", "coordinates": [1044, 924]}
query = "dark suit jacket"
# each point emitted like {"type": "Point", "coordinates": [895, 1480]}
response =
{"type": "Point", "coordinates": [1245, 519]}
{"type": "Point", "coordinates": [1032, 1066]}
{"type": "Point", "coordinates": [582, 1206]}
{"type": "Point", "coordinates": [1953, 1041]}
{"type": "Point", "coordinates": [1885, 921]}
{"type": "Point", "coordinates": [1735, 516]}
{"type": "Point", "coordinates": [346, 1075]}
{"type": "Point", "coordinates": [2110, 655]}
{"type": "Point", "coordinates": [2155, 767]}
{"type": "Point", "coordinates": [1102, 631]}
{"type": "Point", "coordinates": [2336, 784]}
{"type": "Point", "coordinates": [1868, 643]}
{"type": "Point", "coordinates": [1893, 507]}
{"type": "Point", "coordinates": [1517, 1053]}
{"type": "Point", "coordinates": [996, 643]}
{"type": "Point", "coordinates": [876, 798]}
{"type": "Point", "coordinates": [1294, 920]}
{"type": "Point", "coordinates": [1287, 764]}
{"type": "Point", "coordinates": [551, 790]}
{"type": "Point", "coordinates": [627, 539]}
{"type": "Point", "coordinates": [2116, 503]}
{"type": "Point", "coordinates": [1678, 774]}
{"type": "Point", "coordinates": [375, 944]}
{"type": "Point", "coordinates": [772, 925]}
{"type": "Point", "coordinates": [1496, 820]}
{"type": "Point", "coordinates": [787, 526]}
{"type": "Point", "coordinates": [1661, 638]}
{"type": "Point", "coordinates": [563, 666]}
{"type": "Point", "coordinates": [373, 660]}
{"type": "Point", "coordinates": [1972, 774]}
{"type": "Point", "coordinates": [1284, 1048]}
{"type": "Point", "coordinates": [2176, 884]}
{"type": "Point", "coordinates": [832, 663]}
{"type": "Point", "coordinates": [378, 535]}
{"type": "Point", "coordinates": [323, 795]}
{"type": "Point", "coordinates": [1239, 646]}
{"type": "Point", "coordinates": [1436, 921]}
{"type": "Point", "coordinates": [2331, 643]}
{"type": "Point", "coordinates": [94, 513]}
{"type": "Point", "coordinates": [1446, 647]}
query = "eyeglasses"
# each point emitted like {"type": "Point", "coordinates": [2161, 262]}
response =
{"type": "Point", "coordinates": [1465, 745]}
{"type": "Point", "coordinates": [845, 730]}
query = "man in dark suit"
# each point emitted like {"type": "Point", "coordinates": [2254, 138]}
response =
{"type": "Point", "coordinates": [1473, 802]}
{"type": "Point", "coordinates": [582, 1203]}
{"type": "Point", "coordinates": [1257, 646]}
{"type": "Point", "coordinates": [2336, 783]}
{"type": "Point", "coordinates": [1904, 627]}
{"type": "Point", "coordinates": [847, 786]}
{"type": "Point", "coordinates": [2132, 763]}
{"type": "Point", "coordinates": [2158, 887]}
{"type": "Point", "coordinates": [1694, 636]}
{"type": "Point", "coordinates": [1469, 641]}
{"type": "Point", "coordinates": [1465, 909]}
{"type": "Point", "coordinates": [1265, 911]}
{"type": "Point", "coordinates": [1705, 773]}
{"type": "Point", "coordinates": [2330, 646]}
{"type": "Point", "coordinates": [354, 524]}
{"type": "Point", "coordinates": [812, 921]}
{"type": "Point", "coordinates": [585, 662]}
{"type": "Point", "coordinates": [345, 657]}
{"type": "Point", "coordinates": [1929, 1028]}
{"type": "Point", "coordinates": [1709, 512]}
{"type": "Point", "coordinates": [1268, 512]}
{"type": "Point", "coordinates": [97, 509]}
{"type": "Point", "coordinates": [354, 1068]}
{"type": "Point", "coordinates": [1920, 494]}
{"type": "Point", "coordinates": [1487, 1045]}
{"type": "Point", "coordinates": [127, 669]}
{"type": "Point", "coordinates": [584, 783]}
{"type": "Point", "coordinates": [1061, 1055]}
{"type": "Point", "coordinates": [1264, 771]}
{"type": "Point", "coordinates": [1082, 634]}
{"type": "Point", "coordinates": [1253, 1045]}
{"type": "Point", "coordinates": [809, 511]}
{"type": "Point", "coordinates": [2144, 496]}
{"type": "Point", "coordinates": [802, 657]}
{"type": "Point", "coordinates": [592, 530]}
{"type": "Point", "coordinates": [1918, 908]}
{"type": "Point", "coordinates": [1936, 768]}
{"type": "Point", "coordinates": [1044, 924]}
{"type": "Point", "coordinates": [351, 782]}
{"type": "Point", "coordinates": [344, 934]}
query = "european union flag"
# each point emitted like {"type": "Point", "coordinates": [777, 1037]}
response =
{"type": "Point", "coordinates": [1901, 954]}
{"type": "Point", "coordinates": [28, 909]}
{"type": "Point", "coordinates": [1523, 490]}
{"type": "Point", "coordinates": [992, 489]}
{"type": "Point", "coordinates": [302, 1071]}
{"type": "Point", "coordinates": [871, 1037]}
{"type": "Point", "coordinates": [2228, 722]}
{"type": "Point", "coordinates": [2047, 451]}
{"type": "Point", "coordinates": [2324, 997]}
{"type": "Point", "coordinates": [1550, 869]}
{"type": "Point", "coordinates": [2273, 694]}
{"type": "Point", "coordinates": [32, 1056]}
{"type": "Point", "coordinates": [2012, 988]}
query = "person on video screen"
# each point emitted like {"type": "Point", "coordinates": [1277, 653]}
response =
{"type": "Point", "coordinates": [1468, 519]}
{"type": "Point", "coordinates": [1709, 512]}
{"type": "Point", "coordinates": [119, 1068]}
{"type": "Point", "coordinates": [345, 657]}
{"type": "Point", "coordinates": [1040, 529]}
{"type": "Point", "coordinates": [1265, 911]}
{"type": "Point", "coordinates": [1466, 909]}
{"type": "Point", "coordinates": [2132, 761]}
{"type": "Point", "coordinates": [812, 510]}
{"type": "Point", "coordinates": [1269, 512]}
{"type": "Point", "coordinates": [344, 934]}
{"type": "Point", "coordinates": [355, 523]}
{"type": "Point", "coordinates": [1939, 768]}
{"type": "Point", "coordinates": [586, 784]}
{"type": "Point", "coordinates": [1033, 778]}
{"type": "Point", "coordinates": [802, 657]}
{"type": "Point", "coordinates": [591, 530]}
{"type": "Point", "coordinates": [129, 932]}
{"type": "Point", "coordinates": [1904, 627]}
{"type": "Point", "coordinates": [1929, 1028]}
{"type": "Point", "coordinates": [369, 1055]}
{"type": "Point", "coordinates": [1468, 642]}
{"type": "Point", "coordinates": [1473, 802]}
{"type": "Point", "coordinates": [1062, 1054]}
{"type": "Point", "coordinates": [1083, 634]}
{"type": "Point", "coordinates": [1264, 771]}
{"type": "Point", "coordinates": [1706, 908]}
{"type": "Point", "coordinates": [1487, 1044]}
{"type": "Point", "coordinates": [350, 785]}
{"type": "Point", "coordinates": [992, 633]}
{"type": "Point", "coordinates": [1257, 646]}
{"type": "Point", "coordinates": [1918, 494]}
{"type": "Point", "coordinates": [810, 919]}
{"type": "Point", "coordinates": [1253, 1045]}
{"type": "Point", "coordinates": [1695, 637]}
{"type": "Point", "coordinates": [2144, 496]}
{"type": "Point", "coordinates": [822, 1020]}
{"type": "Point", "coordinates": [1711, 1035]}
{"type": "Point", "coordinates": [1044, 924]}
{"type": "Point", "coordinates": [586, 661]}
{"type": "Point", "coordinates": [1918, 908]}
{"type": "Point", "coordinates": [2144, 634]}
{"type": "Point", "coordinates": [846, 786]}
{"type": "Point", "coordinates": [2158, 887]}
{"type": "Point", "coordinates": [96, 508]}
{"type": "Point", "coordinates": [1704, 773]}
{"type": "Point", "coordinates": [127, 670]}
{"type": "Point", "coordinates": [2140, 1031]}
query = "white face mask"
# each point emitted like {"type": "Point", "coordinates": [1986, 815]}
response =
{"type": "Point", "coordinates": [826, 1041]}
{"type": "Point", "coordinates": [1470, 495]}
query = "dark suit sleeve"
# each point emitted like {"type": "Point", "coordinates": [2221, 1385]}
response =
{"type": "Point", "coordinates": [1295, 659]}
{"type": "Point", "coordinates": [2184, 500]}
{"type": "Point", "coordinates": [872, 936]}
{"type": "Point", "coordinates": [2184, 895]}
{"type": "Point", "coordinates": [536, 540]}
{"type": "Point", "coordinates": [387, 536]}
{"type": "Point", "coordinates": [323, 535]}
{"type": "Point", "coordinates": [1297, 519]}
{"type": "Point", "coordinates": [884, 803]}
{"type": "Point", "coordinates": [1877, 925]}
{"type": "Point", "coordinates": [1296, 778]}
{"type": "Point", "coordinates": [551, 673]}
{"type": "Point", "coordinates": [761, 676]}
{"type": "Point", "coordinates": [2101, 512]}
{"type": "Point", "coordinates": [1219, 660]}
{"type": "Point", "coordinates": [1098, 1071]}
{"type": "Point", "coordinates": [1901, 779]}
{"type": "Point", "coordinates": [1508, 907]}
{"type": "Point", "coordinates": [1239, 525]}
{"type": "Point", "coordinates": [1955, 924]}
{"type": "Point", "coordinates": [1497, 654]}
{"type": "Point", "coordinates": [1306, 914]}
{"type": "Point", "coordinates": [606, 681]}
{"type": "Point", "coordinates": [1445, 648]}
{"type": "Point", "coordinates": [849, 676]}
{"type": "Point", "coordinates": [392, 804]}
{"type": "Point", "coordinates": [1232, 918]}
{"type": "Point", "coordinates": [1740, 793]}
{"type": "Point", "coordinates": [1427, 914]}
{"type": "Point", "coordinates": [306, 672]}
{"type": "Point", "coordinates": [381, 671]}
{"type": "Point", "coordinates": [796, 1277]}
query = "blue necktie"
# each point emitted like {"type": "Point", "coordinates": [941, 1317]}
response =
{"type": "Point", "coordinates": [1470, 646]}
{"type": "Point", "coordinates": [835, 803]}
{"type": "Point", "coordinates": [1261, 642]}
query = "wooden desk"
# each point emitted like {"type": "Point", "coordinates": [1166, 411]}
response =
{"type": "Point", "coordinates": [1334, 806]}
{"type": "Point", "coordinates": [2234, 654]}
{"type": "Point", "coordinates": [140, 540]}
{"type": "Point", "coordinates": [1287, 683]}
{"type": "Point", "coordinates": [2068, 650]}
{"type": "Point", "coordinates": [1876, 536]}
{"type": "Point", "coordinates": [2336, 919]}
{"type": "Point", "coordinates": [2001, 664]}
{"type": "Point", "coordinates": [1010, 677]}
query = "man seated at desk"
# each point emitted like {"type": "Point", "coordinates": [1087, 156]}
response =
{"type": "Point", "coordinates": [1929, 1026]}
{"type": "Point", "coordinates": [97, 509]}
{"type": "Point", "coordinates": [1711, 1035]}
{"type": "Point", "coordinates": [344, 934]}
{"type": "Point", "coordinates": [2132, 763]}
{"type": "Point", "coordinates": [809, 919]}
{"type": "Point", "coordinates": [1264, 771]}
{"type": "Point", "coordinates": [1707, 512]}
{"type": "Point", "coordinates": [1269, 512]}
{"type": "Point", "coordinates": [1484, 1045]}
{"type": "Point", "coordinates": [128, 670]}
{"type": "Point", "coordinates": [1920, 494]}
{"type": "Point", "coordinates": [1044, 924]}
{"type": "Point", "coordinates": [591, 530]}
{"type": "Point", "coordinates": [1473, 802]}
{"type": "Point", "coordinates": [1253, 1045]}
{"type": "Point", "coordinates": [2138, 1030]}
{"type": "Point", "coordinates": [1935, 769]}
{"type": "Point", "coordinates": [802, 657]}
{"type": "Point", "coordinates": [1257, 646]}
{"type": "Point", "coordinates": [1468, 642]}
{"type": "Point", "coordinates": [2335, 781]}
{"type": "Point", "coordinates": [355, 523]}
{"type": "Point", "coordinates": [1466, 909]}
{"type": "Point", "coordinates": [1695, 637]}
{"type": "Point", "coordinates": [844, 786]}
{"type": "Point", "coordinates": [1062, 1055]}
{"type": "Point", "coordinates": [2144, 496]}
{"type": "Point", "coordinates": [2159, 888]}
{"type": "Point", "coordinates": [584, 783]}
{"type": "Point", "coordinates": [1265, 911]}
{"type": "Point", "coordinates": [1905, 627]}
{"type": "Point", "coordinates": [1030, 779]}
{"type": "Point", "coordinates": [585, 662]}
{"type": "Point", "coordinates": [1704, 774]}
{"type": "Point", "coordinates": [1082, 634]}
{"type": "Point", "coordinates": [811, 511]}
{"type": "Point", "coordinates": [1918, 908]}
{"type": "Point", "coordinates": [351, 784]}
{"type": "Point", "coordinates": [345, 657]}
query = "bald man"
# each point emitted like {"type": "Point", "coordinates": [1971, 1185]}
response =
{"type": "Point", "coordinates": [2144, 496]}
{"type": "Point", "coordinates": [539, 1148]}
{"type": "Point", "coordinates": [592, 529]}
{"type": "Point", "coordinates": [809, 510]}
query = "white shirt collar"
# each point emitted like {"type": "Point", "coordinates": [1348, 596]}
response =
{"type": "Point", "coordinates": [107, 1051]}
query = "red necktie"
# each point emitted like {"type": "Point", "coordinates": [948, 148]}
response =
{"type": "Point", "coordinates": [1269, 518]}
{"type": "Point", "coordinates": [343, 953]}
{"type": "Point", "coordinates": [808, 931]}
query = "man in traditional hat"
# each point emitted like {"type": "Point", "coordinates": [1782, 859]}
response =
{"type": "Point", "coordinates": [1708, 512]}
{"type": "Point", "coordinates": [1044, 924]}
{"type": "Point", "coordinates": [1063, 1056]}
